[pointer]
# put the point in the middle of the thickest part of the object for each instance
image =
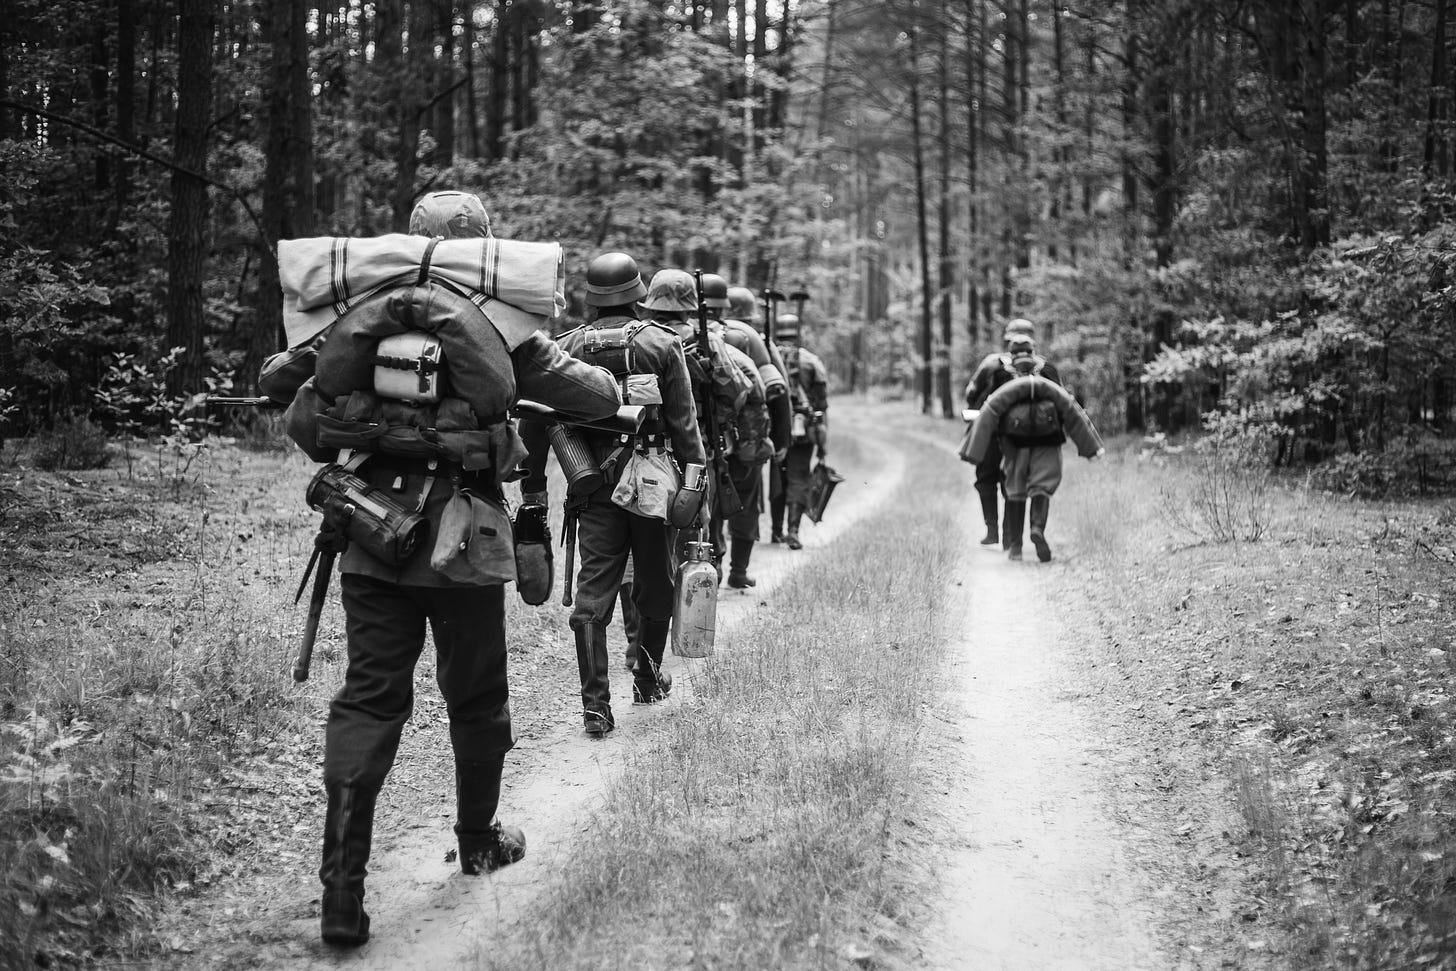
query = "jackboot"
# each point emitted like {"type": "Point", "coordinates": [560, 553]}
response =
{"type": "Point", "coordinates": [485, 844]}
{"type": "Point", "coordinates": [776, 519]}
{"type": "Point", "coordinates": [738, 577]}
{"type": "Point", "coordinates": [1040, 506]}
{"type": "Point", "coordinates": [348, 831]}
{"type": "Point", "coordinates": [988, 513]}
{"type": "Point", "coordinates": [596, 691]}
{"type": "Point", "coordinates": [1015, 525]}
{"type": "Point", "coordinates": [649, 682]}
{"type": "Point", "coordinates": [791, 538]}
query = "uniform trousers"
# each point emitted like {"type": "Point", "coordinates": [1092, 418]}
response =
{"type": "Point", "coordinates": [606, 534]}
{"type": "Point", "coordinates": [386, 632]}
{"type": "Point", "coordinates": [1031, 470]}
{"type": "Point", "coordinates": [795, 479]}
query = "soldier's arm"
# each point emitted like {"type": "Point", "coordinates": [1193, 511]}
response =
{"type": "Point", "coordinates": [979, 386]}
{"type": "Point", "coordinates": [538, 446]}
{"type": "Point", "coordinates": [1049, 371]}
{"type": "Point", "coordinates": [678, 411]}
{"type": "Point", "coordinates": [546, 373]}
{"type": "Point", "coordinates": [818, 385]}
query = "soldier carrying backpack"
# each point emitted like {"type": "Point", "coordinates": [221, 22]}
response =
{"type": "Point", "coordinates": [1031, 416]}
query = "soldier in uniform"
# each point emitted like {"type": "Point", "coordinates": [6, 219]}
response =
{"type": "Point", "coordinates": [993, 371]}
{"type": "Point", "coordinates": [809, 393]}
{"type": "Point", "coordinates": [757, 436]}
{"type": "Point", "coordinates": [646, 359]}
{"type": "Point", "coordinates": [387, 608]}
{"type": "Point", "coordinates": [717, 382]}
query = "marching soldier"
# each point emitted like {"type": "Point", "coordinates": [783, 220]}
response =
{"type": "Point", "coordinates": [994, 371]}
{"type": "Point", "coordinates": [1033, 416]}
{"type": "Point", "coordinates": [387, 606]}
{"type": "Point", "coordinates": [808, 381]}
{"type": "Point", "coordinates": [717, 382]}
{"type": "Point", "coordinates": [646, 359]}
{"type": "Point", "coordinates": [757, 437]}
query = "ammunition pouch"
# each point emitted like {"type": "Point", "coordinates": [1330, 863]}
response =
{"type": "Point", "coordinates": [368, 516]}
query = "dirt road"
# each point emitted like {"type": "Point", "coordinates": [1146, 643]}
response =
{"type": "Point", "coordinates": [1043, 866]}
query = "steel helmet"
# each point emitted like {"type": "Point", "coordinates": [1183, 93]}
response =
{"type": "Point", "coordinates": [742, 305]}
{"type": "Point", "coordinates": [715, 291]}
{"type": "Point", "coordinates": [613, 280]}
{"type": "Point", "coordinates": [453, 215]}
{"type": "Point", "coordinates": [671, 290]}
{"type": "Point", "coordinates": [1019, 326]}
{"type": "Point", "coordinates": [787, 327]}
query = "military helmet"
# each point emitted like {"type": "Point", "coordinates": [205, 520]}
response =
{"type": "Point", "coordinates": [613, 280]}
{"type": "Point", "coordinates": [453, 215]}
{"type": "Point", "coordinates": [1019, 326]}
{"type": "Point", "coordinates": [671, 290]}
{"type": "Point", "coordinates": [715, 291]}
{"type": "Point", "coordinates": [742, 305]}
{"type": "Point", "coordinates": [786, 327]}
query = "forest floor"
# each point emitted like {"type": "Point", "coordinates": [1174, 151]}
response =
{"type": "Point", "coordinates": [1075, 822]}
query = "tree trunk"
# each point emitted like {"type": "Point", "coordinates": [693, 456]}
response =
{"type": "Point", "coordinates": [288, 199]}
{"type": "Point", "coordinates": [947, 269]}
{"type": "Point", "coordinates": [187, 223]}
{"type": "Point", "coordinates": [922, 230]}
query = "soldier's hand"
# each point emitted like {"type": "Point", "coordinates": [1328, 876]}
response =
{"type": "Point", "coordinates": [1099, 453]}
{"type": "Point", "coordinates": [780, 455]}
{"type": "Point", "coordinates": [684, 507]}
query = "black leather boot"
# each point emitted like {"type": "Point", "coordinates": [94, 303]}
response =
{"type": "Point", "coordinates": [596, 691]}
{"type": "Point", "coordinates": [649, 682]}
{"type": "Point", "coordinates": [485, 844]}
{"type": "Point", "coordinates": [791, 538]}
{"type": "Point", "coordinates": [1040, 506]}
{"type": "Point", "coordinates": [1015, 525]}
{"type": "Point", "coordinates": [988, 513]}
{"type": "Point", "coordinates": [738, 577]}
{"type": "Point", "coordinates": [348, 831]}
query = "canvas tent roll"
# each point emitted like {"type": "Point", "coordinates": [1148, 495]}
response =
{"type": "Point", "coordinates": [519, 285]}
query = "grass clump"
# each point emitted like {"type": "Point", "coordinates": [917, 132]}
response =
{"type": "Point", "coordinates": [75, 443]}
{"type": "Point", "coordinates": [760, 829]}
{"type": "Point", "coordinates": [143, 677]}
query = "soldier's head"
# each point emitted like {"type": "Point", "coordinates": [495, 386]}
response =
{"type": "Point", "coordinates": [715, 294]}
{"type": "Point", "coordinates": [672, 293]}
{"type": "Point", "coordinates": [786, 328]}
{"type": "Point", "coordinates": [742, 305]}
{"type": "Point", "coordinates": [1023, 353]}
{"type": "Point", "coordinates": [1019, 326]}
{"type": "Point", "coordinates": [451, 215]}
{"type": "Point", "coordinates": [614, 285]}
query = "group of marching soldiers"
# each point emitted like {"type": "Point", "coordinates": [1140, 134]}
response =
{"type": "Point", "coordinates": [415, 510]}
{"type": "Point", "coordinates": [721, 403]}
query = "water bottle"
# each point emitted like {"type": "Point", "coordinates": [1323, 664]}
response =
{"type": "Point", "coordinates": [534, 572]}
{"type": "Point", "coordinates": [695, 608]}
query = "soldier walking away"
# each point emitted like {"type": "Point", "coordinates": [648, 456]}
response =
{"type": "Point", "coordinates": [1033, 416]}
{"type": "Point", "coordinates": [993, 371]}
{"type": "Point", "coordinates": [760, 430]}
{"type": "Point", "coordinates": [457, 592]}
{"type": "Point", "coordinates": [720, 389]}
{"type": "Point", "coordinates": [646, 361]}
{"type": "Point", "coordinates": [809, 394]}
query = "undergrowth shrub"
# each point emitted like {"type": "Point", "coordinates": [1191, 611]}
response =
{"type": "Point", "coordinates": [1225, 498]}
{"type": "Point", "coordinates": [75, 443]}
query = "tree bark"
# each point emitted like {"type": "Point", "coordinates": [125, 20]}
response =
{"type": "Point", "coordinates": [187, 223]}
{"type": "Point", "coordinates": [922, 370]}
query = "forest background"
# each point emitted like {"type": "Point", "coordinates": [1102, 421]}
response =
{"type": "Point", "coordinates": [1220, 213]}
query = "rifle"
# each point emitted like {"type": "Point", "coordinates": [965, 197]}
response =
{"type": "Point", "coordinates": [771, 300]}
{"type": "Point", "coordinates": [329, 543]}
{"type": "Point", "coordinates": [729, 502]}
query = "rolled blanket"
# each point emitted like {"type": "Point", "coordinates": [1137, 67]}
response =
{"type": "Point", "coordinates": [519, 285]}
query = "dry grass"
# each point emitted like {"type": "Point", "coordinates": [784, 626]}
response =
{"type": "Point", "coordinates": [758, 832]}
{"type": "Point", "coordinates": [1315, 665]}
{"type": "Point", "coordinates": [144, 637]}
